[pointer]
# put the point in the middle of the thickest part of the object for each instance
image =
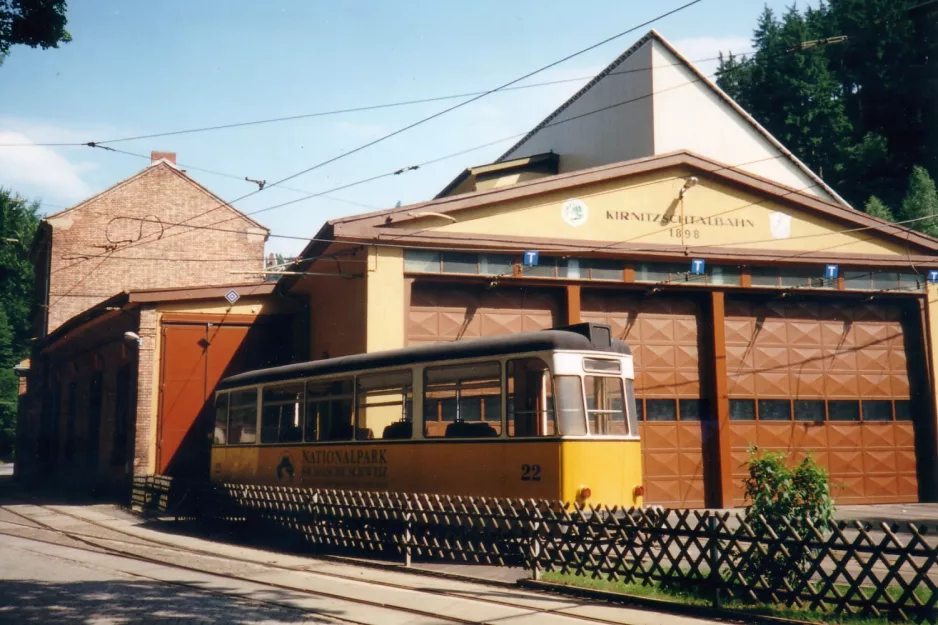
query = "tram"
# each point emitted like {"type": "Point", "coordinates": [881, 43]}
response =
{"type": "Point", "coordinates": [548, 414]}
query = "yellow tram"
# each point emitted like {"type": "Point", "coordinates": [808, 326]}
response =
{"type": "Point", "coordinates": [547, 414]}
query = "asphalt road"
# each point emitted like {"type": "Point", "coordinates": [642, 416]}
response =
{"type": "Point", "coordinates": [88, 564]}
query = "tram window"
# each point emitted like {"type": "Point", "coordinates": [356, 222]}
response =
{"type": "Point", "coordinates": [605, 406]}
{"type": "Point", "coordinates": [570, 415]}
{"type": "Point", "coordinates": [242, 417]}
{"type": "Point", "coordinates": [329, 410]}
{"type": "Point", "coordinates": [633, 408]}
{"type": "Point", "coordinates": [463, 401]}
{"type": "Point", "coordinates": [385, 406]}
{"type": "Point", "coordinates": [221, 419]}
{"type": "Point", "coordinates": [595, 365]}
{"type": "Point", "coordinates": [282, 414]}
{"type": "Point", "coordinates": [530, 398]}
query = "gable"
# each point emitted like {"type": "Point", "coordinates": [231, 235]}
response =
{"type": "Point", "coordinates": [161, 185]}
{"type": "Point", "coordinates": [652, 101]}
{"type": "Point", "coordinates": [645, 210]}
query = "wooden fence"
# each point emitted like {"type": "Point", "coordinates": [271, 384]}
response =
{"type": "Point", "coordinates": [850, 569]}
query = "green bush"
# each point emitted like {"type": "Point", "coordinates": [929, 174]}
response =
{"type": "Point", "coordinates": [780, 497]}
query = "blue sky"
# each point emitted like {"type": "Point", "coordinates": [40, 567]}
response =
{"type": "Point", "coordinates": [137, 68]}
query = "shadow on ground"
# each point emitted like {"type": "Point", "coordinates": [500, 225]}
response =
{"type": "Point", "coordinates": [140, 602]}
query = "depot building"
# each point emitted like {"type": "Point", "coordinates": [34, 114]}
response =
{"type": "Point", "coordinates": [757, 315]}
{"type": "Point", "coordinates": [761, 308]}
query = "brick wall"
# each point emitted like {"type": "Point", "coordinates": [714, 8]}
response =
{"type": "Point", "coordinates": [94, 257]}
{"type": "Point", "coordinates": [144, 430]}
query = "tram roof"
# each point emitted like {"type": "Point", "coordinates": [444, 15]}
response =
{"type": "Point", "coordinates": [524, 342]}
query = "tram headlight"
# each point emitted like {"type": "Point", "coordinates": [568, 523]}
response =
{"type": "Point", "coordinates": [584, 493]}
{"type": "Point", "coordinates": [639, 491]}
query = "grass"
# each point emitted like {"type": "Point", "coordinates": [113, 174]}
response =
{"type": "Point", "coordinates": [690, 597]}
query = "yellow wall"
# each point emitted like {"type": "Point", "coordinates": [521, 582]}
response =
{"type": "Point", "coordinates": [646, 209]}
{"type": "Point", "coordinates": [385, 299]}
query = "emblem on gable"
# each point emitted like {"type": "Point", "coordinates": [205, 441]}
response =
{"type": "Point", "coordinates": [780, 225]}
{"type": "Point", "coordinates": [574, 212]}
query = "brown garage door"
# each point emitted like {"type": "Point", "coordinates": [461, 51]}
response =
{"type": "Point", "coordinates": [194, 358]}
{"type": "Point", "coordinates": [664, 337]}
{"type": "Point", "coordinates": [827, 379]}
{"type": "Point", "coordinates": [450, 312]}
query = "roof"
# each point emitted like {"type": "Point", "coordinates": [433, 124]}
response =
{"type": "Point", "coordinates": [130, 299]}
{"type": "Point", "coordinates": [654, 36]}
{"type": "Point", "coordinates": [524, 342]}
{"type": "Point", "coordinates": [150, 168]}
{"type": "Point", "coordinates": [374, 227]}
{"type": "Point", "coordinates": [546, 160]}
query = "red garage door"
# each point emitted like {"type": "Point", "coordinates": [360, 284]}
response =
{"type": "Point", "coordinates": [194, 358]}
{"type": "Point", "coordinates": [827, 379]}
{"type": "Point", "coordinates": [663, 334]}
{"type": "Point", "coordinates": [450, 312]}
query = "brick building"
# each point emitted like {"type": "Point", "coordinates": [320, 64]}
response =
{"type": "Point", "coordinates": [133, 327]}
{"type": "Point", "coordinates": [126, 238]}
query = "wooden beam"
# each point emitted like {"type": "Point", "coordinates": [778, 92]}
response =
{"type": "Point", "coordinates": [721, 448]}
{"type": "Point", "coordinates": [573, 304]}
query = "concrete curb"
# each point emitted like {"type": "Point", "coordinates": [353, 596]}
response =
{"type": "Point", "coordinates": [659, 605]}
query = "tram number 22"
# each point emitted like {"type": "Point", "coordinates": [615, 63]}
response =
{"type": "Point", "coordinates": [530, 473]}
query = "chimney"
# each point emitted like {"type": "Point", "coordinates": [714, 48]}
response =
{"type": "Point", "coordinates": [166, 156]}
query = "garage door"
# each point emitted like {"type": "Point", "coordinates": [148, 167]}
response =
{"type": "Point", "coordinates": [450, 312]}
{"type": "Point", "coordinates": [827, 379]}
{"type": "Point", "coordinates": [664, 337]}
{"type": "Point", "coordinates": [194, 358]}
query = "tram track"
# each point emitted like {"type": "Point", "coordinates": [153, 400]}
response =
{"type": "Point", "coordinates": [91, 545]}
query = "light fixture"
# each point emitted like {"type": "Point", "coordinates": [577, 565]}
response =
{"type": "Point", "coordinates": [429, 214]}
{"type": "Point", "coordinates": [133, 337]}
{"type": "Point", "coordinates": [690, 182]}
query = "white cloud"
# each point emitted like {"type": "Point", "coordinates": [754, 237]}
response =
{"type": "Point", "coordinates": [35, 168]}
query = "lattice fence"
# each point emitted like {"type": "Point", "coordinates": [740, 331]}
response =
{"type": "Point", "coordinates": [853, 568]}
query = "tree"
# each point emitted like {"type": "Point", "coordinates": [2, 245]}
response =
{"type": "Point", "coordinates": [34, 23]}
{"type": "Point", "coordinates": [855, 111]}
{"type": "Point", "coordinates": [19, 220]}
{"type": "Point", "coordinates": [921, 202]}
{"type": "Point", "coordinates": [875, 208]}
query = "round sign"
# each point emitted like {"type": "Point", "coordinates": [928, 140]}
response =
{"type": "Point", "coordinates": [574, 212]}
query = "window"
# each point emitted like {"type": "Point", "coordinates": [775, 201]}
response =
{"type": "Point", "coordinates": [242, 417]}
{"type": "Point", "coordinates": [601, 269]}
{"type": "Point", "coordinates": [596, 365]}
{"type": "Point", "coordinates": [530, 398]}
{"type": "Point", "coordinates": [459, 262]}
{"type": "Point", "coordinates": [329, 410]}
{"type": "Point", "coordinates": [463, 401]}
{"type": "Point", "coordinates": [122, 412]}
{"type": "Point", "coordinates": [661, 272]}
{"type": "Point", "coordinates": [857, 280]}
{"type": "Point", "coordinates": [634, 409]}
{"type": "Point", "coordinates": [571, 268]}
{"type": "Point", "coordinates": [605, 405]}
{"type": "Point", "coordinates": [570, 417]}
{"type": "Point", "coordinates": [911, 282]}
{"type": "Point", "coordinates": [790, 278]}
{"type": "Point", "coordinates": [71, 408]}
{"type": "Point", "coordinates": [221, 419]}
{"type": "Point", "coordinates": [877, 410]}
{"type": "Point", "coordinates": [421, 261]}
{"type": "Point", "coordinates": [660, 410]}
{"type": "Point", "coordinates": [95, 400]}
{"type": "Point", "coordinates": [691, 409]}
{"type": "Point", "coordinates": [903, 410]}
{"type": "Point", "coordinates": [843, 410]}
{"type": "Point", "coordinates": [546, 268]}
{"type": "Point", "coordinates": [885, 281]}
{"type": "Point", "coordinates": [282, 414]}
{"type": "Point", "coordinates": [496, 265]}
{"type": "Point", "coordinates": [774, 410]}
{"type": "Point", "coordinates": [723, 274]}
{"type": "Point", "coordinates": [742, 410]}
{"type": "Point", "coordinates": [809, 410]}
{"type": "Point", "coordinates": [385, 406]}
